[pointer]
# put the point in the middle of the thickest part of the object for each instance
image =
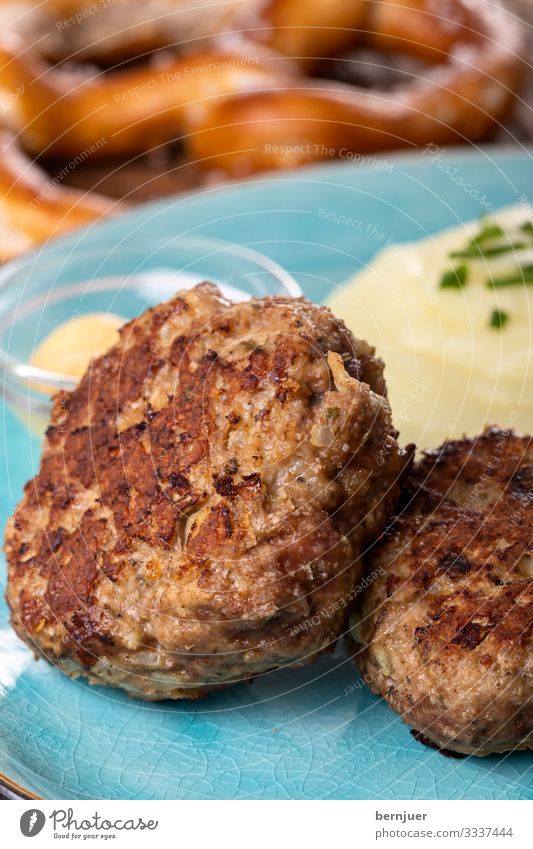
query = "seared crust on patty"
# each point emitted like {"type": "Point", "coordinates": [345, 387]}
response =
{"type": "Point", "coordinates": [203, 494]}
{"type": "Point", "coordinates": [445, 632]}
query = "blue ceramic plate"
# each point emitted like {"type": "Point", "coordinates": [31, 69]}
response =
{"type": "Point", "coordinates": [317, 732]}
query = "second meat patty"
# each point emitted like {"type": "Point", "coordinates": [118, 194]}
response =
{"type": "Point", "coordinates": [445, 632]}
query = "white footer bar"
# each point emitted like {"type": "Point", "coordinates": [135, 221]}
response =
{"type": "Point", "coordinates": [268, 824]}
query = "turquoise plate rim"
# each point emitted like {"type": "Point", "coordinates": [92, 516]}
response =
{"type": "Point", "coordinates": [310, 173]}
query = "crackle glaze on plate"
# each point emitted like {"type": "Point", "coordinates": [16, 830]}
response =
{"type": "Point", "coordinates": [316, 732]}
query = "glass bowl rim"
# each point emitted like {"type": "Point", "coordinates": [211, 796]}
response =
{"type": "Point", "coordinates": [16, 368]}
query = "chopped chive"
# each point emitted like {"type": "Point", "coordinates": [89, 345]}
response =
{"type": "Point", "coordinates": [527, 227]}
{"type": "Point", "coordinates": [522, 275]}
{"type": "Point", "coordinates": [498, 319]}
{"type": "Point", "coordinates": [489, 231]}
{"type": "Point", "coordinates": [455, 278]}
{"type": "Point", "coordinates": [475, 250]}
{"type": "Point", "coordinates": [332, 413]}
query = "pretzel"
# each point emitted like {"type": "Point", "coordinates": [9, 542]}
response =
{"type": "Point", "coordinates": [242, 101]}
{"type": "Point", "coordinates": [35, 207]}
{"type": "Point", "coordinates": [125, 112]}
{"type": "Point", "coordinates": [473, 45]}
{"type": "Point", "coordinates": [305, 30]}
{"type": "Point", "coordinates": [109, 30]}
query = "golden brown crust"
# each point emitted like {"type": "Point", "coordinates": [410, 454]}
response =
{"type": "Point", "coordinates": [203, 493]}
{"type": "Point", "coordinates": [445, 632]}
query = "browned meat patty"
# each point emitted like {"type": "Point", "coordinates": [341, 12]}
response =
{"type": "Point", "coordinates": [444, 633]}
{"type": "Point", "coordinates": [203, 498]}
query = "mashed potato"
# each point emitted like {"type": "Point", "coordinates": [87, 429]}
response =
{"type": "Point", "coordinates": [457, 357]}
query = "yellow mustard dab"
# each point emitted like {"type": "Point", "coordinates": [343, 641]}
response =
{"type": "Point", "coordinates": [69, 348]}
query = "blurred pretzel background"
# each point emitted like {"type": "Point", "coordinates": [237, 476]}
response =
{"type": "Point", "coordinates": [519, 127]}
{"type": "Point", "coordinates": [127, 113]}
